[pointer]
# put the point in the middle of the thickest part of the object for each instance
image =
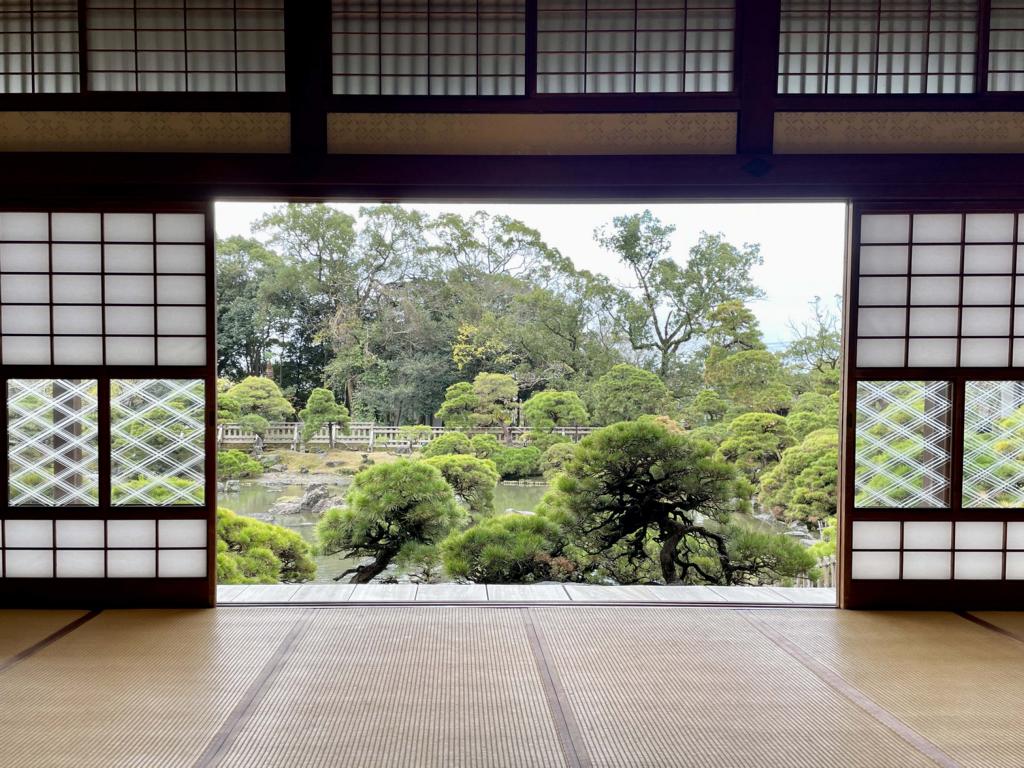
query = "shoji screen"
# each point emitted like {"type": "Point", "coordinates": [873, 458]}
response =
{"type": "Point", "coordinates": [38, 46]}
{"type": "Point", "coordinates": [1006, 46]}
{"type": "Point", "coordinates": [429, 47]}
{"type": "Point", "coordinates": [633, 46]}
{"type": "Point", "coordinates": [186, 45]}
{"type": "Point", "coordinates": [108, 382]}
{"type": "Point", "coordinates": [877, 46]}
{"type": "Point", "coordinates": [934, 448]}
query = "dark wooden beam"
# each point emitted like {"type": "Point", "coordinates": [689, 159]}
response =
{"type": "Point", "coordinates": [757, 54]}
{"type": "Point", "coordinates": [307, 27]}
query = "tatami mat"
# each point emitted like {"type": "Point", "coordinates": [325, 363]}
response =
{"type": "Point", "coordinates": [1008, 621]}
{"type": "Point", "coordinates": [20, 630]}
{"type": "Point", "coordinates": [956, 683]}
{"type": "Point", "coordinates": [577, 685]}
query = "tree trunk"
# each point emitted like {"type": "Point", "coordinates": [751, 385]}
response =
{"type": "Point", "coordinates": [666, 558]}
{"type": "Point", "coordinates": [364, 574]}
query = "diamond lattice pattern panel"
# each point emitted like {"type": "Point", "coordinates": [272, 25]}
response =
{"type": "Point", "coordinates": [902, 454]}
{"type": "Point", "coordinates": [157, 429]}
{"type": "Point", "coordinates": [994, 444]}
{"type": "Point", "coordinates": [52, 442]}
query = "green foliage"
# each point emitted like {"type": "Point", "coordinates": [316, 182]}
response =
{"type": "Point", "coordinates": [472, 479]}
{"type": "Point", "coordinates": [507, 549]}
{"type": "Point", "coordinates": [253, 422]}
{"type": "Point", "coordinates": [234, 465]}
{"type": "Point", "coordinates": [484, 446]}
{"type": "Point", "coordinates": [755, 441]}
{"type": "Point", "coordinates": [495, 393]}
{"type": "Point", "coordinates": [544, 440]}
{"type": "Point", "coordinates": [254, 552]}
{"type": "Point", "coordinates": [753, 380]}
{"type": "Point", "coordinates": [827, 546]}
{"type": "Point", "coordinates": [551, 408]}
{"type": "Point", "coordinates": [517, 463]}
{"type": "Point", "coordinates": [449, 442]}
{"type": "Point", "coordinates": [228, 408]}
{"type": "Point", "coordinates": [416, 433]}
{"type": "Point", "coordinates": [627, 392]}
{"type": "Point", "coordinates": [555, 458]}
{"type": "Point", "coordinates": [389, 507]}
{"type": "Point", "coordinates": [321, 408]}
{"type": "Point", "coordinates": [460, 403]}
{"type": "Point", "coordinates": [169, 490]}
{"type": "Point", "coordinates": [802, 487]}
{"type": "Point", "coordinates": [255, 394]}
{"type": "Point", "coordinates": [708, 407]}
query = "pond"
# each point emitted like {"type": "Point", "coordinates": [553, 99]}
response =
{"type": "Point", "coordinates": [255, 500]}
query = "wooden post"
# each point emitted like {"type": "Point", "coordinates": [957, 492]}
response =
{"type": "Point", "coordinates": [372, 436]}
{"type": "Point", "coordinates": [330, 435]}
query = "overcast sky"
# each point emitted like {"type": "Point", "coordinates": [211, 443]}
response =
{"type": "Point", "coordinates": [802, 243]}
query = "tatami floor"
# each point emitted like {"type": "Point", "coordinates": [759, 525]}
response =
{"type": "Point", "coordinates": [517, 685]}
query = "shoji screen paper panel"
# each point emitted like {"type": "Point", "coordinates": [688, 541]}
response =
{"type": "Point", "coordinates": [635, 46]}
{"type": "Point", "coordinates": [429, 47]}
{"type": "Point", "coordinates": [108, 385]}
{"type": "Point", "coordinates": [186, 45]}
{"type": "Point", "coordinates": [1006, 46]}
{"type": "Point", "coordinates": [39, 46]}
{"type": "Point", "coordinates": [872, 47]}
{"type": "Point", "coordinates": [934, 448]}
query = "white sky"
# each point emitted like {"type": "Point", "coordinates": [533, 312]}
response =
{"type": "Point", "coordinates": [802, 243]}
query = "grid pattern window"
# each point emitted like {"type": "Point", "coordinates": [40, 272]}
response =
{"type": "Point", "coordinates": [186, 45]}
{"type": "Point", "coordinates": [429, 47]}
{"type": "Point", "coordinates": [928, 550]}
{"type": "Point", "coordinates": [103, 289]}
{"type": "Point", "coordinates": [638, 46]}
{"type": "Point", "coordinates": [877, 46]}
{"type": "Point", "coordinates": [1006, 46]}
{"type": "Point", "coordinates": [994, 445]}
{"type": "Point", "coordinates": [96, 549]}
{"type": "Point", "coordinates": [39, 46]}
{"type": "Point", "coordinates": [940, 290]}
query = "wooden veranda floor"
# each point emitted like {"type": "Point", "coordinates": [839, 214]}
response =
{"type": "Point", "coordinates": [554, 685]}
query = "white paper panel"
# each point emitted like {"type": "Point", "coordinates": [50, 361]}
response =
{"type": "Point", "coordinates": [136, 257]}
{"type": "Point", "coordinates": [28, 533]}
{"type": "Point", "coordinates": [131, 563]}
{"type": "Point", "coordinates": [882, 290]}
{"type": "Point", "coordinates": [919, 534]}
{"type": "Point", "coordinates": [78, 350]}
{"type": "Point", "coordinates": [936, 260]}
{"type": "Point", "coordinates": [24, 226]}
{"type": "Point", "coordinates": [883, 259]}
{"type": "Point", "coordinates": [979, 535]}
{"type": "Point", "coordinates": [984, 352]}
{"type": "Point", "coordinates": [131, 533]}
{"type": "Point", "coordinates": [181, 351]}
{"type": "Point", "coordinates": [932, 352]}
{"type": "Point", "coordinates": [876, 565]}
{"type": "Point", "coordinates": [184, 320]}
{"type": "Point", "coordinates": [25, 289]}
{"type": "Point", "coordinates": [78, 320]}
{"type": "Point", "coordinates": [182, 533]}
{"type": "Point", "coordinates": [180, 228]}
{"type": "Point", "coordinates": [1015, 565]}
{"type": "Point", "coordinates": [934, 321]}
{"type": "Point", "coordinates": [1015, 536]}
{"type": "Point", "coordinates": [181, 290]}
{"type": "Point", "coordinates": [24, 257]}
{"type": "Point", "coordinates": [937, 227]}
{"type": "Point", "coordinates": [988, 258]}
{"type": "Point", "coordinates": [127, 350]}
{"type": "Point", "coordinates": [978, 565]}
{"type": "Point", "coordinates": [26, 350]}
{"type": "Point", "coordinates": [876, 534]}
{"type": "Point", "coordinates": [130, 320]}
{"type": "Point", "coordinates": [77, 289]}
{"type": "Point", "coordinates": [128, 227]}
{"type": "Point", "coordinates": [1018, 351]}
{"type": "Point", "coordinates": [881, 353]}
{"type": "Point", "coordinates": [29, 563]}
{"type": "Point", "coordinates": [181, 258]}
{"type": "Point", "coordinates": [926, 565]}
{"type": "Point", "coordinates": [76, 226]}
{"type": "Point", "coordinates": [884, 228]}
{"type": "Point", "coordinates": [986, 321]}
{"type": "Point", "coordinates": [986, 290]}
{"type": "Point", "coordinates": [882, 322]}
{"type": "Point", "coordinates": [76, 257]}
{"type": "Point", "coordinates": [80, 533]}
{"type": "Point", "coordinates": [989, 228]}
{"type": "Point", "coordinates": [25, 319]}
{"type": "Point", "coordinates": [934, 290]}
{"type": "Point", "coordinates": [182, 563]}
{"type": "Point", "coordinates": [80, 564]}
{"type": "Point", "coordinates": [128, 289]}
